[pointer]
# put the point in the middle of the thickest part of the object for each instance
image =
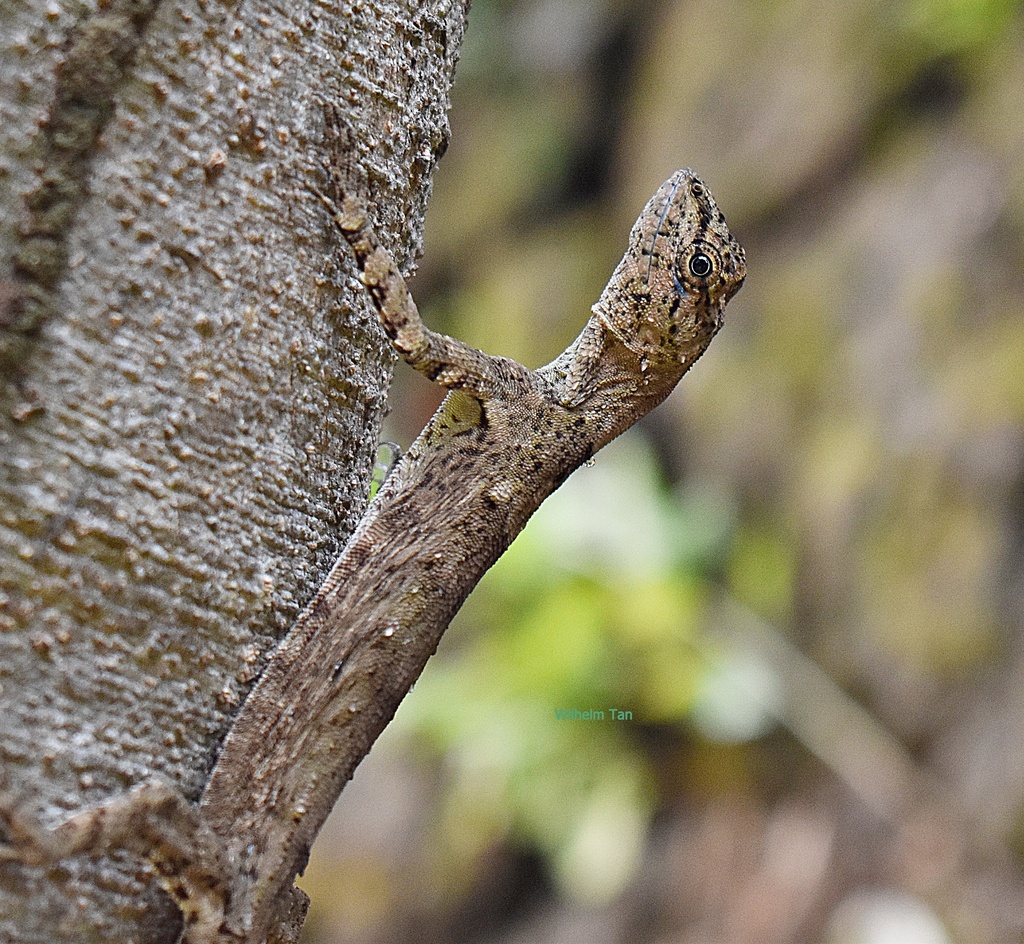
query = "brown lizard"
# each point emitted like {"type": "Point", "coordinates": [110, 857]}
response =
{"type": "Point", "coordinates": [503, 440]}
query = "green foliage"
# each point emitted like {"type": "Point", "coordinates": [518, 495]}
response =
{"type": "Point", "coordinates": [388, 454]}
{"type": "Point", "coordinates": [762, 571]}
{"type": "Point", "coordinates": [949, 27]}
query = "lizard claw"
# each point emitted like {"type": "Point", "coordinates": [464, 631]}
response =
{"type": "Point", "coordinates": [343, 167]}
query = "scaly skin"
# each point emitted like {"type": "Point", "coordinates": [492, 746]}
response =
{"type": "Point", "coordinates": [503, 440]}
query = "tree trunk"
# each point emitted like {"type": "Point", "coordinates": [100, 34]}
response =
{"type": "Point", "coordinates": [191, 383]}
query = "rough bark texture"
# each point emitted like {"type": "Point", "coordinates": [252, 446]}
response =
{"type": "Point", "coordinates": [190, 384]}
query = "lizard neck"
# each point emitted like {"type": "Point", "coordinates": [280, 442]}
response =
{"type": "Point", "coordinates": [598, 377]}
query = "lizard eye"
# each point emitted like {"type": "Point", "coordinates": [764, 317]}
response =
{"type": "Point", "coordinates": [701, 265]}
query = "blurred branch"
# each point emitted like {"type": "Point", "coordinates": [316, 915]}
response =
{"type": "Point", "coordinates": [832, 725]}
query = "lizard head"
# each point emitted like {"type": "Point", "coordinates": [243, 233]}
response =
{"type": "Point", "coordinates": [665, 300]}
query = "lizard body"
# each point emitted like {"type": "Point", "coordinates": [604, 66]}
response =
{"type": "Point", "coordinates": [502, 441]}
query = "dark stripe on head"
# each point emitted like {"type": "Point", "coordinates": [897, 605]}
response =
{"type": "Point", "coordinates": [661, 221]}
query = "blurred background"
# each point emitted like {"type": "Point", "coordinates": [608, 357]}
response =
{"type": "Point", "coordinates": [795, 589]}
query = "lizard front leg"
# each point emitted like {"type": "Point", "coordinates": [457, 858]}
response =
{"type": "Point", "coordinates": [153, 821]}
{"type": "Point", "coordinates": [444, 360]}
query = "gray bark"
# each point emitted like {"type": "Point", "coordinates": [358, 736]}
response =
{"type": "Point", "coordinates": [191, 383]}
